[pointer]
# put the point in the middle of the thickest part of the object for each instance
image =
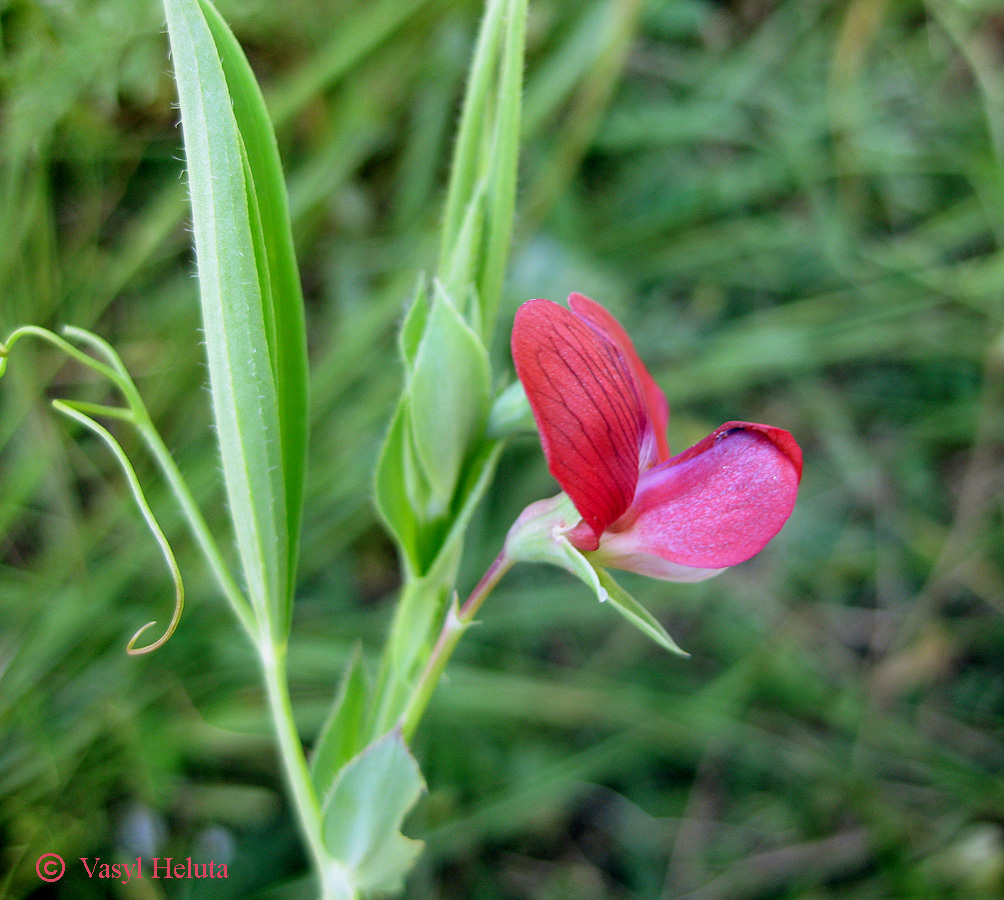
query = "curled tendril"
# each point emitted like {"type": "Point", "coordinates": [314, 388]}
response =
{"type": "Point", "coordinates": [131, 648]}
{"type": "Point", "coordinates": [76, 412]}
{"type": "Point", "coordinates": [136, 415]}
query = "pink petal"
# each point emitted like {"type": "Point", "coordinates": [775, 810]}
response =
{"type": "Point", "coordinates": [712, 506]}
{"type": "Point", "coordinates": [657, 449]}
{"type": "Point", "coordinates": [588, 410]}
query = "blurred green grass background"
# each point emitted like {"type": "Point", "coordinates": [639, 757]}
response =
{"type": "Point", "coordinates": [796, 207]}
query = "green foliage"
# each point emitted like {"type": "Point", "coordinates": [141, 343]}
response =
{"type": "Point", "coordinates": [437, 462]}
{"type": "Point", "coordinates": [538, 537]}
{"type": "Point", "coordinates": [278, 277]}
{"type": "Point", "coordinates": [396, 474]}
{"type": "Point", "coordinates": [635, 613]}
{"type": "Point", "coordinates": [448, 393]}
{"type": "Point", "coordinates": [343, 734]}
{"type": "Point", "coordinates": [480, 203]}
{"type": "Point", "coordinates": [795, 209]}
{"type": "Point", "coordinates": [363, 814]}
{"type": "Point", "coordinates": [251, 304]}
{"type": "Point", "coordinates": [445, 403]}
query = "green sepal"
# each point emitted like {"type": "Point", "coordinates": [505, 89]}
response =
{"type": "Point", "coordinates": [363, 812]}
{"type": "Point", "coordinates": [539, 536]}
{"type": "Point", "coordinates": [636, 614]}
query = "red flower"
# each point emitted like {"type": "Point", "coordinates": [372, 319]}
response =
{"type": "Point", "coordinates": [602, 422]}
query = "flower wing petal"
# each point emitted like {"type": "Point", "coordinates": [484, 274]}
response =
{"type": "Point", "coordinates": [712, 506]}
{"type": "Point", "coordinates": [586, 405]}
{"type": "Point", "coordinates": [656, 448]}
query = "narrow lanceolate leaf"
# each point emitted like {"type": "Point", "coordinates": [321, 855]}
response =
{"type": "Point", "coordinates": [282, 296]}
{"type": "Point", "coordinates": [241, 369]}
{"type": "Point", "coordinates": [480, 204]}
{"type": "Point", "coordinates": [502, 166]}
{"type": "Point", "coordinates": [363, 814]}
{"type": "Point", "coordinates": [467, 165]}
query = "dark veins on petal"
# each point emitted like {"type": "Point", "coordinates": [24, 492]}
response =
{"type": "Point", "coordinates": [591, 417]}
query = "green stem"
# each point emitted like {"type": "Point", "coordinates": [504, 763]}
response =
{"type": "Point", "coordinates": [415, 617]}
{"type": "Point", "coordinates": [334, 881]}
{"type": "Point", "coordinates": [54, 339]}
{"type": "Point", "coordinates": [456, 623]}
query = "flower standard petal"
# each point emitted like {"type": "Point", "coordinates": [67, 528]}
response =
{"type": "Point", "coordinates": [712, 506]}
{"type": "Point", "coordinates": [590, 415]}
{"type": "Point", "coordinates": [656, 448]}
